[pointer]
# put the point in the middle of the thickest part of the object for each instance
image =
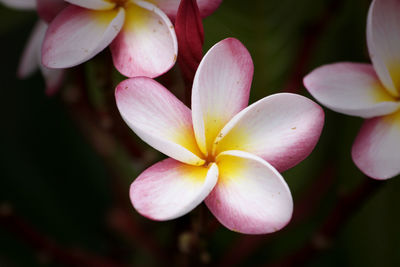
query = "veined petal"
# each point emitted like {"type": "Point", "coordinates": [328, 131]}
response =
{"type": "Point", "coordinates": [170, 189]}
{"type": "Point", "coordinates": [20, 4]}
{"type": "Point", "coordinates": [49, 9]}
{"type": "Point", "coordinates": [283, 129]}
{"type": "Point", "coordinates": [78, 34]}
{"type": "Point", "coordinates": [350, 88]}
{"type": "Point", "coordinates": [147, 44]}
{"type": "Point", "coordinates": [170, 7]}
{"type": "Point", "coordinates": [158, 118]}
{"type": "Point", "coordinates": [30, 60]}
{"type": "Point", "coordinates": [376, 150]}
{"type": "Point", "coordinates": [383, 37]}
{"type": "Point", "coordinates": [250, 197]}
{"type": "Point", "coordinates": [93, 4]}
{"type": "Point", "coordinates": [221, 89]}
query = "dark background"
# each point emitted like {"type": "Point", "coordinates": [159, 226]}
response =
{"type": "Point", "coordinates": [55, 180]}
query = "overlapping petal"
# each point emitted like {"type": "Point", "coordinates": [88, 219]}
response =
{"type": "Point", "coordinates": [282, 129]}
{"type": "Point", "coordinates": [48, 9]}
{"type": "Point", "coordinates": [170, 7]}
{"type": "Point", "coordinates": [350, 88]}
{"type": "Point", "coordinates": [159, 118]}
{"type": "Point", "coordinates": [220, 89]}
{"type": "Point", "coordinates": [78, 34]}
{"type": "Point", "coordinates": [251, 196]}
{"type": "Point", "coordinates": [93, 4]}
{"type": "Point", "coordinates": [170, 189]}
{"type": "Point", "coordinates": [376, 148]}
{"type": "Point", "coordinates": [383, 37]}
{"type": "Point", "coordinates": [20, 4]}
{"type": "Point", "coordinates": [147, 44]}
{"type": "Point", "coordinates": [30, 59]}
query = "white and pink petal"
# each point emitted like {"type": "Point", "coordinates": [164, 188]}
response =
{"type": "Point", "coordinates": [383, 37]}
{"type": "Point", "coordinates": [78, 34]}
{"type": "Point", "coordinates": [283, 129]}
{"type": "Point", "coordinates": [350, 88]}
{"type": "Point", "coordinates": [251, 197]}
{"type": "Point", "coordinates": [30, 60]}
{"type": "Point", "coordinates": [221, 89]}
{"type": "Point", "coordinates": [158, 118]}
{"type": "Point", "coordinates": [376, 150]}
{"type": "Point", "coordinates": [147, 44]}
{"type": "Point", "coordinates": [170, 189]}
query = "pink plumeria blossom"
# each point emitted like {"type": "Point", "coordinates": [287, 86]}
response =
{"type": "Point", "coordinates": [142, 37]}
{"type": "Point", "coordinates": [31, 57]}
{"type": "Point", "coordinates": [369, 91]}
{"type": "Point", "coordinates": [221, 152]}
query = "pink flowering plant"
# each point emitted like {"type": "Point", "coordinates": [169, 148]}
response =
{"type": "Point", "coordinates": [186, 165]}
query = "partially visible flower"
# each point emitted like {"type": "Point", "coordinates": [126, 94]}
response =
{"type": "Point", "coordinates": [31, 57]}
{"type": "Point", "coordinates": [222, 151]}
{"type": "Point", "coordinates": [369, 91]}
{"type": "Point", "coordinates": [142, 37]}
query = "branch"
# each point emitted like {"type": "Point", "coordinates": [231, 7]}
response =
{"type": "Point", "coordinates": [47, 247]}
{"type": "Point", "coordinates": [106, 145]}
{"type": "Point", "coordinates": [310, 41]}
{"type": "Point", "coordinates": [341, 213]}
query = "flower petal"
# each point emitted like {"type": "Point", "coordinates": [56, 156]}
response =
{"type": "Point", "coordinates": [93, 4]}
{"type": "Point", "coordinates": [283, 129]}
{"type": "Point", "coordinates": [19, 4]}
{"type": "Point", "coordinates": [30, 60]}
{"type": "Point", "coordinates": [350, 88]}
{"type": "Point", "coordinates": [170, 189]}
{"type": "Point", "coordinates": [147, 44]}
{"type": "Point", "coordinates": [250, 197]}
{"type": "Point", "coordinates": [221, 89]}
{"type": "Point", "coordinates": [376, 150]}
{"type": "Point", "coordinates": [48, 9]}
{"type": "Point", "coordinates": [170, 7]}
{"type": "Point", "coordinates": [383, 37]}
{"type": "Point", "coordinates": [159, 118]}
{"type": "Point", "coordinates": [78, 34]}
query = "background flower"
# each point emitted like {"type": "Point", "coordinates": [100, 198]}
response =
{"type": "Point", "coordinates": [369, 91]}
{"type": "Point", "coordinates": [31, 58]}
{"type": "Point", "coordinates": [142, 38]}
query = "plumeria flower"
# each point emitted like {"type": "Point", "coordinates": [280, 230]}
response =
{"type": "Point", "coordinates": [31, 58]}
{"type": "Point", "coordinates": [369, 91]}
{"type": "Point", "coordinates": [222, 152]}
{"type": "Point", "coordinates": [142, 37]}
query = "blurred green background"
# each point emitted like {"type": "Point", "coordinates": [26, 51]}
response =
{"type": "Point", "coordinates": [56, 181]}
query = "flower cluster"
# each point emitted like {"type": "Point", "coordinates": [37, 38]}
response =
{"type": "Point", "coordinates": [221, 151]}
